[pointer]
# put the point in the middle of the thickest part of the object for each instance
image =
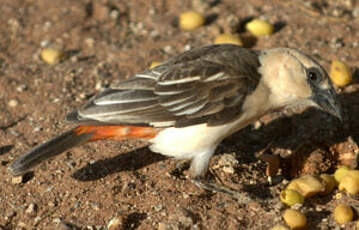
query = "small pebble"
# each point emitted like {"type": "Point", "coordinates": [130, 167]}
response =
{"type": "Point", "coordinates": [115, 223]}
{"type": "Point", "coordinates": [187, 47]}
{"type": "Point", "coordinates": [355, 12]}
{"type": "Point", "coordinates": [114, 14]}
{"type": "Point", "coordinates": [95, 207]}
{"type": "Point", "coordinates": [74, 59]}
{"type": "Point", "coordinates": [21, 225]}
{"type": "Point", "coordinates": [51, 204]}
{"type": "Point", "coordinates": [168, 49]}
{"type": "Point", "coordinates": [185, 195]}
{"type": "Point", "coordinates": [162, 226]}
{"type": "Point", "coordinates": [17, 180]}
{"type": "Point", "coordinates": [37, 219]}
{"type": "Point", "coordinates": [98, 85]}
{"type": "Point", "coordinates": [31, 209]}
{"type": "Point", "coordinates": [90, 42]}
{"type": "Point", "coordinates": [21, 88]}
{"type": "Point", "coordinates": [257, 125]}
{"type": "Point", "coordinates": [158, 208]}
{"type": "Point", "coordinates": [56, 220]}
{"type": "Point", "coordinates": [37, 129]}
{"type": "Point", "coordinates": [227, 163]}
{"type": "Point", "coordinates": [228, 169]}
{"type": "Point", "coordinates": [44, 43]}
{"type": "Point", "coordinates": [13, 103]}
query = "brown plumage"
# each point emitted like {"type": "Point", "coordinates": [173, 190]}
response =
{"type": "Point", "coordinates": [204, 85]}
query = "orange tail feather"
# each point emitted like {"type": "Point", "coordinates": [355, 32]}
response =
{"type": "Point", "coordinates": [117, 133]}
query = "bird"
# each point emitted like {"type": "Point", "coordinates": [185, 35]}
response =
{"type": "Point", "coordinates": [186, 106]}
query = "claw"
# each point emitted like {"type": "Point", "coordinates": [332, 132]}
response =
{"type": "Point", "coordinates": [241, 197]}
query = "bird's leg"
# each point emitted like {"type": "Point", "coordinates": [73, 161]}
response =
{"type": "Point", "coordinates": [198, 168]}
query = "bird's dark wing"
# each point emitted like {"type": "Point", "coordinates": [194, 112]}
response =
{"type": "Point", "coordinates": [204, 85]}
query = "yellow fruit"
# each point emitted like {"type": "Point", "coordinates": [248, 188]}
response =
{"type": "Point", "coordinates": [291, 197]}
{"type": "Point", "coordinates": [191, 20]}
{"type": "Point", "coordinates": [329, 183]}
{"type": "Point", "coordinates": [306, 185]}
{"type": "Point", "coordinates": [295, 219]}
{"type": "Point", "coordinates": [259, 27]}
{"type": "Point", "coordinates": [228, 39]}
{"type": "Point", "coordinates": [343, 214]}
{"type": "Point", "coordinates": [350, 183]}
{"type": "Point", "coordinates": [279, 227]}
{"type": "Point", "coordinates": [340, 73]}
{"type": "Point", "coordinates": [52, 56]}
{"type": "Point", "coordinates": [341, 172]}
{"type": "Point", "coordinates": [155, 64]}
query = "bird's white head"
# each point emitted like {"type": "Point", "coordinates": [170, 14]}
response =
{"type": "Point", "coordinates": [296, 79]}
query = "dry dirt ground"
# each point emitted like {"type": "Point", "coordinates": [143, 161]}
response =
{"type": "Point", "coordinates": [109, 40]}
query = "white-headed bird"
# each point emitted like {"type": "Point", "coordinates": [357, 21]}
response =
{"type": "Point", "coordinates": [185, 107]}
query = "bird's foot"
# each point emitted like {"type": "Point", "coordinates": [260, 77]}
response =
{"type": "Point", "coordinates": [241, 197]}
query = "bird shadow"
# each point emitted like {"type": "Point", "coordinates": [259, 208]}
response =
{"type": "Point", "coordinates": [124, 162]}
{"type": "Point", "coordinates": [134, 220]}
{"type": "Point", "coordinates": [316, 217]}
{"type": "Point", "coordinates": [278, 26]}
{"type": "Point", "coordinates": [286, 132]}
{"type": "Point", "coordinates": [5, 149]}
{"type": "Point", "coordinates": [211, 19]}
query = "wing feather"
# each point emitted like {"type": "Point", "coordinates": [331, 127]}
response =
{"type": "Point", "coordinates": [126, 96]}
{"type": "Point", "coordinates": [204, 85]}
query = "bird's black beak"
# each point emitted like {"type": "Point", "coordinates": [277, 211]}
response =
{"type": "Point", "coordinates": [327, 101]}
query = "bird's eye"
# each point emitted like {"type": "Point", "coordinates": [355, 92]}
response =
{"type": "Point", "coordinates": [314, 75]}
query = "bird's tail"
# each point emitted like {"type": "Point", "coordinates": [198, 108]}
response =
{"type": "Point", "coordinates": [74, 137]}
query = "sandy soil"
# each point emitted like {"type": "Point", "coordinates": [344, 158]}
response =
{"type": "Point", "coordinates": [107, 41]}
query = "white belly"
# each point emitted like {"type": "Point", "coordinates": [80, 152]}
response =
{"type": "Point", "coordinates": [187, 142]}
